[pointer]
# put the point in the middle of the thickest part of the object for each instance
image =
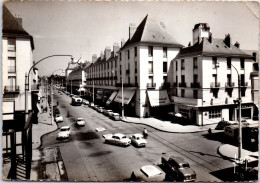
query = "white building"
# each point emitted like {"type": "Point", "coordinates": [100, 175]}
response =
{"type": "Point", "coordinates": [205, 79]}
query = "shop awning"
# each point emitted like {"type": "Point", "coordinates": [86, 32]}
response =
{"type": "Point", "coordinates": [128, 95]}
{"type": "Point", "coordinates": [158, 98]}
{"type": "Point", "coordinates": [111, 98]}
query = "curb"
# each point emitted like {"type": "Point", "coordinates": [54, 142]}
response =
{"type": "Point", "coordinates": [161, 129]}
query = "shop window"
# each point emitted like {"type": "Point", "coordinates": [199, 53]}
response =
{"type": "Point", "coordinates": [214, 114]}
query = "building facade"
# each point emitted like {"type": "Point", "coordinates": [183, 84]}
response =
{"type": "Point", "coordinates": [204, 79]}
{"type": "Point", "coordinates": [17, 59]}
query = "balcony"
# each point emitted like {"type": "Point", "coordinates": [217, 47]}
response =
{"type": "Point", "coordinates": [195, 85]}
{"type": "Point", "coordinates": [151, 85]}
{"type": "Point", "coordinates": [244, 84]}
{"type": "Point", "coordinates": [11, 89]}
{"type": "Point", "coordinates": [11, 69]}
{"type": "Point", "coordinates": [182, 84]}
{"type": "Point", "coordinates": [230, 84]}
{"type": "Point", "coordinates": [215, 85]}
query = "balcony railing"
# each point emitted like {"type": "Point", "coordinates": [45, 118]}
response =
{"type": "Point", "coordinates": [244, 84]}
{"type": "Point", "coordinates": [230, 84]}
{"type": "Point", "coordinates": [11, 89]}
{"type": "Point", "coordinates": [11, 68]}
{"type": "Point", "coordinates": [182, 84]}
{"type": "Point", "coordinates": [195, 85]}
{"type": "Point", "coordinates": [151, 85]}
{"type": "Point", "coordinates": [215, 85]}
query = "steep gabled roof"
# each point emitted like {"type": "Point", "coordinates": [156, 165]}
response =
{"type": "Point", "coordinates": [12, 28]}
{"type": "Point", "coordinates": [149, 31]}
{"type": "Point", "coordinates": [216, 47]}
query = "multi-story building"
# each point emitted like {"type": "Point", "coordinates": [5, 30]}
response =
{"type": "Point", "coordinates": [141, 67]}
{"type": "Point", "coordinates": [205, 79]}
{"type": "Point", "coordinates": [17, 48]}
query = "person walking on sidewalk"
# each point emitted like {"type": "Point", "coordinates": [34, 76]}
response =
{"type": "Point", "coordinates": [145, 133]}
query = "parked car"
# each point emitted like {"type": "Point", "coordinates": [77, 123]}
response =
{"type": "Point", "coordinates": [85, 102]}
{"type": "Point", "coordinates": [58, 118]}
{"type": "Point", "coordinates": [80, 122]}
{"type": "Point", "coordinates": [64, 132]}
{"type": "Point", "coordinates": [178, 169]}
{"type": "Point", "coordinates": [115, 116]}
{"type": "Point", "coordinates": [95, 107]}
{"type": "Point", "coordinates": [100, 109]}
{"type": "Point", "coordinates": [118, 139]}
{"type": "Point", "coordinates": [138, 140]}
{"type": "Point", "coordinates": [107, 112]}
{"type": "Point", "coordinates": [92, 105]}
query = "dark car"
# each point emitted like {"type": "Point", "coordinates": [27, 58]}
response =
{"type": "Point", "coordinates": [177, 169]}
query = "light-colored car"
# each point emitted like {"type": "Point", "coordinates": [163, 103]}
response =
{"type": "Point", "coordinates": [92, 105]}
{"type": "Point", "coordinates": [85, 102]}
{"type": "Point", "coordinates": [118, 139]}
{"type": "Point", "coordinates": [138, 140]}
{"type": "Point", "coordinates": [115, 116]}
{"type": "Point", "coordinates": [100, 109]}
{"type": "Point", "coordinates": [80, 122]}
{"type": "Point", "coordinates": [107, 112]}
{"type": "Point", "coordinates": [95, 107]}
{"type": "Point", "coordinates": [64, 132]}
{"type": "Point", "coordinates": [58, 118]}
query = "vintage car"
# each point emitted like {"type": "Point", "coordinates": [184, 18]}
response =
{"type": "Point", "coordinates": [80, 122]}
{"type": "Point", "coordinates": [177, 169]}
{"type": "Point", "coordinates": [117, 139]}
{"type": "Point", "coordinates": [64, 132]}
{"type": "Point", "coordinates": [138, 140]}
{"type": "Point", "coordinates": [115, 116]}
{"type": "Point", "coordinates": [58, 118]}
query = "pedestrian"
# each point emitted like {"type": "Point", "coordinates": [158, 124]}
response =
{"type": "Point", "coordinates": [68, 114]}
{"type": "Point", "coordinates": [133, 177]}
{"type": "Point", "coordinates": [209, 131]}
{"type": "Point", "coordinates": [145, 133]}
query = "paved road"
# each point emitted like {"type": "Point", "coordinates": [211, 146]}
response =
{"type": "Point", "coordinates": [87, 158]}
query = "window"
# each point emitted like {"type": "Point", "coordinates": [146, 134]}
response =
{"type": "Point", "coordinates": [128, 54]}
{"type": "Point", "coordinates": [214, 62]}
{"type": "Point", "coordinates": [135, 80]}
{"type": "Point", "coordinates": [242, 63]}
{"type": "Point", "coordinates": [11, 65]}
{"type": "Point", "coordinates": [11, 44]}
{"type": "Point", "coordinates": [120, 69]}
{"type": "Point", "coordinates": [182, 64]}
{"type": "Point", "coordinates": [182, 93]}
{"type": "Point", "coordinates": [215, 93]}
{"type": "Point", "coordinates": [164, 79]}
{"type": "Point", "coordinates": [150, 80]}
{"type": "Point", "coordinates": [195, 94]}
{"type": "Point", "coordinates": [120, 56]}
{"type": "Point", "coordinates": [214, 114]}
{"type": "Point", "coordinates": [11, 83]}
{"type": "Point", "coordinates": [229, 79]}
{"type": "Point", "coordinates": [150, 51]}
{"type": "Point", "coordinates": [243, 92]}
{"type": "Point", "coordinates": [135, 51]}
{"type": "Point", "coordinates": [135, 67]}
{"type": "Point", "coordinates": [176, 80]}
{"type": "Point", "coordinates": [165, 67]}
{"type": "Point", "coordinates": [115, 63]}
{"type": "Point", "coordinates": [242, 78]}
{"type": "Point", "coordinates": [229, 63]}
{"type": "Point", "coordinates": [214, 76]}
{"type": "Point", "coordinates": [229, 92]}
{"type": "Point", "coordinates": [182, 79]}
{"type": "Point", "coordinates": [195, 62]}
{"type": "Point", "coordinates": [176, 65]}
{"type": "Point", "coordinates": [150, 67]}
{"type": "Point", "coordinates": [165, 52]}
{"type": "Point", "coordinates": [195, 78]}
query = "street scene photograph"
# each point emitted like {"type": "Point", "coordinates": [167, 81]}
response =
{"type": "Point", "coordinates": [130, 91]}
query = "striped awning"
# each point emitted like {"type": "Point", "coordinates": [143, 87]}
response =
{"type": "Point", "coordinates": [111, 98]}
{"type": "Point", "coordinates": [158, 98]}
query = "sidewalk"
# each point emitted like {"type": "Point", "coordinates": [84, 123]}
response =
{"type": "Point", "coordinates": [231, 152]}
{"type": "Point", "coordinates": [167, 126]}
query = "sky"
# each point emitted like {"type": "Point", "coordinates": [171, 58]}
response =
{"type": "Point", "coordinates": [84, 28]}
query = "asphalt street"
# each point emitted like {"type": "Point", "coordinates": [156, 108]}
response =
{"type": "Point", "coordinates": [88, 158]}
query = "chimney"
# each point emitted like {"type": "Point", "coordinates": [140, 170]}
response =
{"type": "Point", "coordinates": [227, 40]}
{"type": "Point", "coordinates": [107, 52]}
{"type": "Point", "coordinates": [19, 21]}
{"type": "Point", "coordinates": [94, 58]}
{"type": "Point", "coordinates": [189, 44]}
{"type": "Point", "coordinates": [237, 44]}
{"type": "Point", "coordinates": [200, 30]}
{"type": "Point", "coordinates": [210, 37]}
{"type": "Point", "coordinates": [101, 55]}
{"type": "Point", "coordinates": [132, 29]}
{"type": "Point", "coordinates": [115, 48]}
{"type": "Point", "coordinates": [122, 42]}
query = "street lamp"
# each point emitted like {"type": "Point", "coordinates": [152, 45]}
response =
{"type": "Point", "coordinates": [27, 80]}
{"type": "Point", "coordinates": [238, 101]}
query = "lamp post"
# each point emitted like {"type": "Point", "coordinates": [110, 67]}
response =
{"type": "Point", "coordinates": [238, 101]}
{"type": "Point", "coordinates": [27, 81]}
